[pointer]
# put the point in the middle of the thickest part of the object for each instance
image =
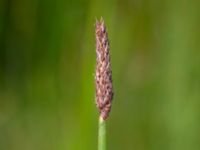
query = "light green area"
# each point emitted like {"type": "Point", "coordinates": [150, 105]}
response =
{"type": "Point", "coordinates": [102, 134]}
{"type": "Point", "coordinates": [47, 63]}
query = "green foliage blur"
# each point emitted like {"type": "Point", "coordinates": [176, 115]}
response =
{"type": "Point", "coordinates": [47, 63]}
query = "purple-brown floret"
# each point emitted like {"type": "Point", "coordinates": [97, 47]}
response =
{"type": "Point", "coordinates": [103, 77]}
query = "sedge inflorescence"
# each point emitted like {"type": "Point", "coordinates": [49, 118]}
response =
{"type": "Point", "coordinates": [103, 75]}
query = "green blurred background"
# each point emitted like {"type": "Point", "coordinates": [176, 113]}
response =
{"type": "Point", "coordinates": [47, 62]}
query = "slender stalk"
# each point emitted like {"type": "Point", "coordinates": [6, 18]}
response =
{"type": "Point", "coordinates": [102, 134]}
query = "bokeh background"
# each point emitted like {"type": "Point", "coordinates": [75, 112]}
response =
{"type": "Point", "coordinates": [47, 62]}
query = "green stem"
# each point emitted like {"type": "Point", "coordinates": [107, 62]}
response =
{"type": "Point", "coordinates": [102, 134]}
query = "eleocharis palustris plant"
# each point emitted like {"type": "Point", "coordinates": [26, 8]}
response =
{"type": "Point", "coordinates": [103, 80]}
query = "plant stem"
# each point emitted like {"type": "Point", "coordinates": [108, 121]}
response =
{"type": "Point", "coordinates": [102, 134]}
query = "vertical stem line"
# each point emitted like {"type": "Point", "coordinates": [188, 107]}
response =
{"type": "Point", "coordinates": [102, 134]}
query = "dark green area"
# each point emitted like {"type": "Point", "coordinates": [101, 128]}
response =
{"type": "Point", "coordinates": [47, 63]}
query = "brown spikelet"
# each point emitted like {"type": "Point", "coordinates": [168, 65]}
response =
{"type": "Point", "coordinates": [103, 77]}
